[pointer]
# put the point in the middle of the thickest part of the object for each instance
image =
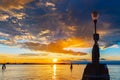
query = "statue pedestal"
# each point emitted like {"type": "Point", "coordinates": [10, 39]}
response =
{"type": "Point", "coordinates": [96, 72]}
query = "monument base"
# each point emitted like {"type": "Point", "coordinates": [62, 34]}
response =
{"type": "Point", "coordinates": [96, 72]}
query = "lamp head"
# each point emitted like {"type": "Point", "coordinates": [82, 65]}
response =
{"type": "Point", "coordinates": [94, 15]}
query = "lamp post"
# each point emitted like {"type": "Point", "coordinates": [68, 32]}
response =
{"type": "Point", "coordinates": [95, 50]}
{"type": "Point", "coordinates": [95, 70]}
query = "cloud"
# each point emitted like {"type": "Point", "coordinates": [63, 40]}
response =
{"type": "Point", "coordinates": [114, 46]}
{"type": "Point", "coordinates": [8, 42]}
{"type": "Point", "coordinates": [35, 23]}
{"type": "Point", "coordinates": [19, 16]}
{"type": "Point", "coordinates": [50, 4]}
{"type": "Point", "coordinates": [4, 34]}
{"type": "Point", "coordinates": [11, 7]}
{"type": "Point", "coordinates": [28, 55]}
{"type": "Point", "coordinates": [44, 32]}
{"type": "Point", "coordinates": [56, 46]}
{"type": "Point", "coordinates": [4, 17]}
{"type": "Point", "coordinates": [13, 4]}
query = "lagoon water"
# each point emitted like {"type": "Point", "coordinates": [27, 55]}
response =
{"type": "Point", "coordinates": [50, 72]}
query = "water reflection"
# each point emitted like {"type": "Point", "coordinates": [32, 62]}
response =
{"type": "Point", "coordinates": [2, 76]}
{"type": "Point", "coordinates": [42, 72]}
{"type": "Point", "coordinates": [54, 72]}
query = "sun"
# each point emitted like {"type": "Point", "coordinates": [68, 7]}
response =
{"type": "Point", "coordinates": [55, 60]}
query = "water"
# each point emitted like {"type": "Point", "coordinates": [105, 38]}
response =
{"type": "Point", "coordinates": [114, 71]}
{"type": "Point", "coordinates": [50, 72]}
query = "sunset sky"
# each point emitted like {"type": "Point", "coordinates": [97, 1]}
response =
{"type": "Point", "coordinates": [57, 30]}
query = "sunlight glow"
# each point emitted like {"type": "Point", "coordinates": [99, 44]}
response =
{"type": "Point", "coordinates": [55, 60]}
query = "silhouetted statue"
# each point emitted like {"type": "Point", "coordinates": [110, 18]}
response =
{"type": "Point", "coordinates": [3, 67]}
{"type": "Point", "coordinates": [95, 70]}
{"type": "Point", "coordinates": [95, 50]}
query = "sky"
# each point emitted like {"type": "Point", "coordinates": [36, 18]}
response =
{"type": "Point", "coordinates": [44, 30]}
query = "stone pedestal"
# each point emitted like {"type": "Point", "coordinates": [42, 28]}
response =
{"type": "Point", "coordinates": [96, 72]}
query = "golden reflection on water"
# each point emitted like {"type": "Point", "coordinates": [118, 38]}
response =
{"type": "Point", "coordinates": [54, 72]}
{"type": "Point", "coordinates": [42, 72]}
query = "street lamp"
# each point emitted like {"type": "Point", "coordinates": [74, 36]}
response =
{"type": "Point", "coordinates": [95, 16]}
{"type": "Point", "coordinates": [95, 50]}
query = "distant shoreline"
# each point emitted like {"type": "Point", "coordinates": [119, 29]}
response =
{"type": "Point", "coordinates": [74, 62]}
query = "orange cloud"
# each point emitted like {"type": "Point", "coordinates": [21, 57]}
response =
{"type": "Point", "coordinates": [9, 5]}
{"type": "Point", "coordinates": [3, 17]}
{"type": "Point", "coordinates": [13, 4]}
{"type": "Point", "coordinates": [58, 46]}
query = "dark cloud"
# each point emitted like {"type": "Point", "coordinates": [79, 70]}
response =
{"type": "Point", "coordinates": [28, 54]}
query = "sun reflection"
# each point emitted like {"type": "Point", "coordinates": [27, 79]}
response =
{"type": "Point", "coordinates": [54, 72]}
